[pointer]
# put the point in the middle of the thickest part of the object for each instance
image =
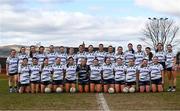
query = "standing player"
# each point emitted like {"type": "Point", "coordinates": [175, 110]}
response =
{"type": "Point", "coordinates": [24, 76]}
{"type": "Point", "coordinates": [157, 77]}
{"type": "Point", "coordinates": [120, 53]}
{"type": "Point", "coordinates": [139, 55]}
{"type": "Point", "coordinates": [58, 74]}
{"type": "Point", "coordinates": [12, 71]}
{"type": "Point", "coordinates": [35, 70]}
{"type": "Point", "coordinates": [46, 75]}
{"type": "Point", "coordinates": [51, 55]}
{"type": "Point", "coordinates": [32, 53]}
{"type": "Point", "coordinates": [170, 67]}
{"type": "Point", "coordinates": [149, 55]}
{"type": "Point", "coordinates": [90, 55]}
{"type": "Point", "coordinates": [110, 54]}
{"type": "Point", "coordinates": [41, 55]}
{"type": "Point", "coordinates": [108, 75]}
{"type": "Point", "coordinates": [131, 74]}
{"type": "Point", "coordinates": [101, 54]}
{"type": "Point", "coordinates": [95, 76]}
{"type": "Point", "coordinates": [119, 69]}
{"type": "Point", "coordinates": [70, 76]}
{"type": "Point", "coordinates": [144, 76]}
{"type": "Point", "coordinates": [129, 54]}
{"type": "Point", "coordinates": [80, 54]}
{"type": "Point", "coordinates": [83, 76]}
{"type": "Point", "coordinates": [21, 55]}
{"type": "Point", "coordinates": [62, 55]}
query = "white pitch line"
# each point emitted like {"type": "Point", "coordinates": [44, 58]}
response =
{"type": "Point", "coordinates": [102, 102]}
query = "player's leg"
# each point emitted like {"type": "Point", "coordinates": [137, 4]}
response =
{"type": "Point", "coordinates": [169, 75]}
{"type": "Point", "coordinates": [42, 88]}
{"type": "Point", "coordinates": [117, 87]}
{"type": "Point", "coordinates": [33, 88]}
{"type": "Point", "coordinates": [174, 80]}
{"type": "Point", "coordinates": [92, 87]}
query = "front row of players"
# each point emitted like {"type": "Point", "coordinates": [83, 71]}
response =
{"type": "Point", "coordinates": [95, 78]}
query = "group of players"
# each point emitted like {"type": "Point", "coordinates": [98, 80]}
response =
{"type": "Point", "coordinates": [91, 71]}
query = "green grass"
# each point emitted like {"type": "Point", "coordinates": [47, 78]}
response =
{"type": "Point", "coordinates": [66, 101]}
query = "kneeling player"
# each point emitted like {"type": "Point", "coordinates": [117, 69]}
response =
{"type": "Point", "coordinates": [35, 71]}
{"type": "Point", "coordinates": [24, 77]}
{"type": "Point", "coordinates": [157, 78]}
{"type": "Point", "coordinates": [46, 76]}
{"type": "Point", "coordinates": [131, 74]}
{"type": "Point", "coordinates": [70, 76]}
{"type": "Point", "coordinates": [119, 69]}
{"type": "Point", "coordinates": [108, 75]}
{"type": "Point", "coordinates": [144, 76]}
{"type": "Point", "coordinates": [58, 74]}
{"type": "Point", "coordinates": [95, 76]}
{"type": "Point", "coordinates": [83, 76]}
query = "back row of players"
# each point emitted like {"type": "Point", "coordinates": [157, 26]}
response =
{"type": "Point", "coordinates": [94, 71]}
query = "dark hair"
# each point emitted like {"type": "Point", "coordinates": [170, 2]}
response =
{"type": "Point", "coordinates": [41, 47]}
{"type": "Point", "coordinates": [21, 48]}
{"type": "Point", "coordinates": [121, 48]}
{"type": "Point", "coordinates": [142, 64]}
{"type": "Point", "coordinates": [157, 45]}
{"type": "Point", "coordinates": [132, 50]}
{"type": "Point", "coordinates": [68, 60]}
{"type": "Point", "coordinates": [150, 56]}
{"type": "Point", "coordinates": [106, 59]}
{"type": "Point", "coordinates": [61, 47]}
{"type": "Point", "coordinates": [31, 54]}
{"type": "Point", "coordinates": [101, 45]}
{"type": "Point", "coordinates": [25, 59]}
{"type": "Point", "coordinates": [96, 59]}
{"type": "Point", "coordinates": [80, 46]}
{"type": "Point", "coordinates": [35, 58]}
{"type": "Point", "coordinates": [90, 46]}
{"type": "Point", "coordinates": [12, 50]}
{"type": "Point", "coordinates": [43, 61]}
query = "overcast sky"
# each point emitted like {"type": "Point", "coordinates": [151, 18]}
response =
{"type": "Point", "coordinates": [69, 22]}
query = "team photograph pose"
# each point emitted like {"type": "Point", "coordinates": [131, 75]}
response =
{"type": "Point", "coordinates": [70, 76]}
{"type": "Point", "coordinates": [120, 75]}
{"type": "Point", "coordinates": [131, 76]}
{"type": "Point", "coordinates": [90, 55]}
{"type": "Point", "coordinates": [139, 55]}
{"type": "Point", "coordinates": [144, 76]}
{"type": "Point", "coordinates": [80, 54]}
{"type": "Point", "coordinates": [24, 76]}
{"type": "Point", "coordinates": [62, 55]}
{"type": "Point", "coordinates": [170, 68]}
{"type": "Point", "coordinates": [46, 76]}
{"type": "Point", "coordinates": [95, 76]}
{"type": "Point", "coordinates": [32, 53]}
{"type": "Point", "coordinates": [108, 76]}
{"type": "Point", "coordinates": [120, 53]}
{"type": "Point", "coordinates": [35, 75]}
{"type": "Point", "coordinates": [83, 71]}
{"type": "Point", "coordinates": [41, 55]}
{"type": "Point", "coordinates": [12, 71]}
{"type": "Point", "coordinates": [101, 54]}
{"type": "Point", "coordinates": [157, 76]}
{"type": "Point", "coordinates": [58, 70]}
{"type": "Point", "coordinates": [148, 55]}
{"type": "Point", "coordinates": [51, 55]}
{"type": "Point", "coordinates": [110, 54]}
{"type": "Point", "coordinates": [129, 54]}
{"type": "Point", "coordinates": [72, 54]}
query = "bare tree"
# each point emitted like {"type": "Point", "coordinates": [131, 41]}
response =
{"type": "Point", "coordinates": [162, 31]}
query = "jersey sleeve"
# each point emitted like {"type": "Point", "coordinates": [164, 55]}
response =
{"type": "Point", "coordinates": [161, 67]}
{"type": "Point", "coordinates": [7, 60]}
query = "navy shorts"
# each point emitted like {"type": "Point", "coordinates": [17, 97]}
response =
{"type": "Point", "coordinates": [157, 81]}
{"type": "Point", "coordinates": [108, 81]}
{"type": "Point", "coordinates": [163, 64]}
{"type": "Point", "coordinates": [169, 69]}
{"type": "Point", "coordinates": [13, 74]}
{"type": "Point", "coordinates": [70, 81]}
{"type": "Point", "coordinates": [23, 85]}
{"type": "Point", "coordinates": [95, 81]}
{"type": "Point", "coordinates": [131, 83]}
{"type": "Point", "coordinates": [58, 82]}
{"type": "Point", "coordinates": [83, 82]}
{"type": "Point", "coordinates": [46, 83]}
{"type": "Point", "coordinates": [143, 83]}
{"type": "Point", "coordinates": [35, 82]}
{"type": "Point", "coordinates": [119, 82]}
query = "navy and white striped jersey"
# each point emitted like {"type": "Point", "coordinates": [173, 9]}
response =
{"type": "Point", "coordinates": [41, 57]}
{"type": "Point", "coordinates": [35, 71]}
{"type": "Point", "coordinates": [12, 63]}
{"type": "Point", "coordinates": [79, 56]}
{"type": "Point", "coordinates": [108, 71]}
{"type": "Point", "coordinates": [58, 71]}
{"type": "Point", "coordinates": [150, 62]}
{"type": "Point", "coordinates": [128, 55]}
{"type": "Point", "coordinates": [161, 56]}
{"type": "Point", "coordinates": [51, 57]}
{"type": "Point", "coordinates": [111, 56]}
{"type": "Point", "coordinates": [131, 72]}
{"type": "Point", "coordinates": [156, 71]}
{"type": "Point", "coordinates": [90, 57]}
{"type": "Point", "coordinates": [24, 74]}
{"type": "Point", "coordinates": [74, 57]}
{"type": "Point", "coordinates": [71, 72]}
{"type": "Point", "coordinates": [95, 72]}
{"type": "Point", "coordinates": [120, 72]}
{"type": "Point", "coordinates": [144, 73]}
{"type": "Point", "coordinates": [46, 73]}
{"type": "Point", "coordinates": [83, 72]}
{"type": "Point", "coordinates": [101, 56]}
{"type": "Point", "coordinates": [30, 59]}
{"type": "Point", "coordinates": [21, 56]}
{"type": "Point", "coordinates": [63, 57]}
{"type": "Point", "coordinates": [139, 56]}
{"type": "Point", "coordinates": [170, 59]}
{"type": "Point", "coordinates": [119, 56]}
